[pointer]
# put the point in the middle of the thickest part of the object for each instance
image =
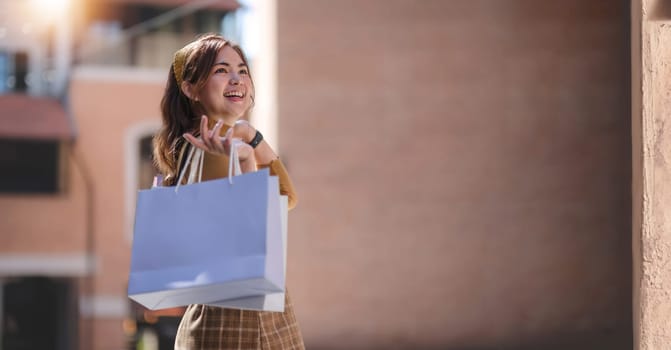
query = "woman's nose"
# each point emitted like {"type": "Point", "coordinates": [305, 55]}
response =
{"type": "Point", "coordinates": [235, 79]}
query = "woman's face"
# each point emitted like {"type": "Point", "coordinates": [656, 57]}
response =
{"type": "Point", "coordinates": [227, 94]}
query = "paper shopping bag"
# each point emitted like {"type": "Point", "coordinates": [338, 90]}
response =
{"type": "Point", "coordinates": [208, 242]}
{"type": "Point", "coordinates": [270, 301]}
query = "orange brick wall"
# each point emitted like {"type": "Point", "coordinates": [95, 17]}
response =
{"type": "Point", "coordinates": [462, 168]}
{"type": "Point", "coordinates": [34, 224]}
{"type": "Point", "coordinates": [106, 108]}
{"type": "Point", "coordinates": [463, 172]}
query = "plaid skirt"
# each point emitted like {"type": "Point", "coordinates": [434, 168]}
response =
{"type": "Point", "coordinates": [213, 328]}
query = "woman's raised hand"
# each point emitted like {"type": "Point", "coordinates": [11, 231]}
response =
{"type": "Point", "coordinates": [243, 130]}
{"type": "Point", "coordinates": [211, 142]}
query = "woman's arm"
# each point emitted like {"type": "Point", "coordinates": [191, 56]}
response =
{"type": "Point", "coordinates": [267, 158]}
{"type": "Point", "coordinates": [210, 141]}
{"type": "Point", "coordinates": [262, 156]}
{"type": "Point", "coordinates": [286, 186]}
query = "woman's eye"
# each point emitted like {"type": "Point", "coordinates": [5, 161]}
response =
{"type": "Point", "coordinates": [243, 71]}
{"type": "Point", "coordinates": [220, 70]}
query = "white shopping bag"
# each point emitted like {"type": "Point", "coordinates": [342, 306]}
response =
{"type": "Point", "coordinates": [210, 242]}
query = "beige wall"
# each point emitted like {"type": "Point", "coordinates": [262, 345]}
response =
{"type": "Point", "coordinates": [107, 104]}
{"type": "Point", "coordinates": [104, 112]}
{"type": "Point", "coordinates": [463, 172]}
{"type": "Point", "coordinates": [651, 106]}
{"type": "Point", "coordinates": [53, 224]}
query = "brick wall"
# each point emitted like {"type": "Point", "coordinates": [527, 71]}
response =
{"type": "Point", "coordinates": [463, 172]}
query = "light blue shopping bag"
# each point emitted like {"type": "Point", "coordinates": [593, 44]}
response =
{"type": "Point", "coordinates": [214, 242]}
{"type": "Point", "coordinates": [269, 301]}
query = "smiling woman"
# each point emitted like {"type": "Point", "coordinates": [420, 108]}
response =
{"type": "Point", "coordinates": [209, 90]}
{"type": "Point", "coordinates": [229, 78]}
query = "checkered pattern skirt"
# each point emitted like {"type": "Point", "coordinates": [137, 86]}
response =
{"type": "Point", "coordinates": [214, 328]}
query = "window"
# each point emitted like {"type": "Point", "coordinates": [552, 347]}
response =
{"type": "Point", "coordinates": [38, 313]}
{"type": "Point", "coordinates": [146, 35]}
{"type": "Point", "coordinates": [4, 73]}
{"type": "Point", "coordinates": [21, 72]}
{"type": "Point", "coordinates": [29, 166]}
{"type": "Point", "coordinates": [147, 170]}
{"type": "Point", "coordinates": [14, 72]}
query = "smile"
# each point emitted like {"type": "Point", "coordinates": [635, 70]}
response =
{"type": "Point", "coordinates": [234, 94]}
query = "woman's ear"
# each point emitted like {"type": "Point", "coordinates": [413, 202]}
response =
{"type": "Point", "coordinates": [188, 90]}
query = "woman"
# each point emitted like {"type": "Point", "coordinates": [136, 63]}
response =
{"type": "Point", "coordinates": [209, 89]}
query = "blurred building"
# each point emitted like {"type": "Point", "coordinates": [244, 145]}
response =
{"type": "Point", "coordinates": [80, 84]}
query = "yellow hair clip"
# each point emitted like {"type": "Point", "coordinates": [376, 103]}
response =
{"type": "Point", "coordinates": [179, 60]}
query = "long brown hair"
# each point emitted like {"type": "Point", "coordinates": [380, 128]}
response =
{"type": "Point", "coordinates": [179, 113]}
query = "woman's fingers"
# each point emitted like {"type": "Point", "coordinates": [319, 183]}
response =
{"type": "Point", "coordinates": [211, 137]}
{"type": "Point", "coordinates": [211, 133]}
{"type": "Point", "coordinates": [195, 141]}
{"type": "Point", "coordinates": [227, 141]}
{"type": "Point", "coordinates": [210, 140]}
{"type": "Point", "coordinates": [204, 132]}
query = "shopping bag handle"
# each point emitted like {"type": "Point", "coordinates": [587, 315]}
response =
{"type": "Point", "coordinates": [195, 160]}
{"type": "Point", "coordinates": [234, 161]}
